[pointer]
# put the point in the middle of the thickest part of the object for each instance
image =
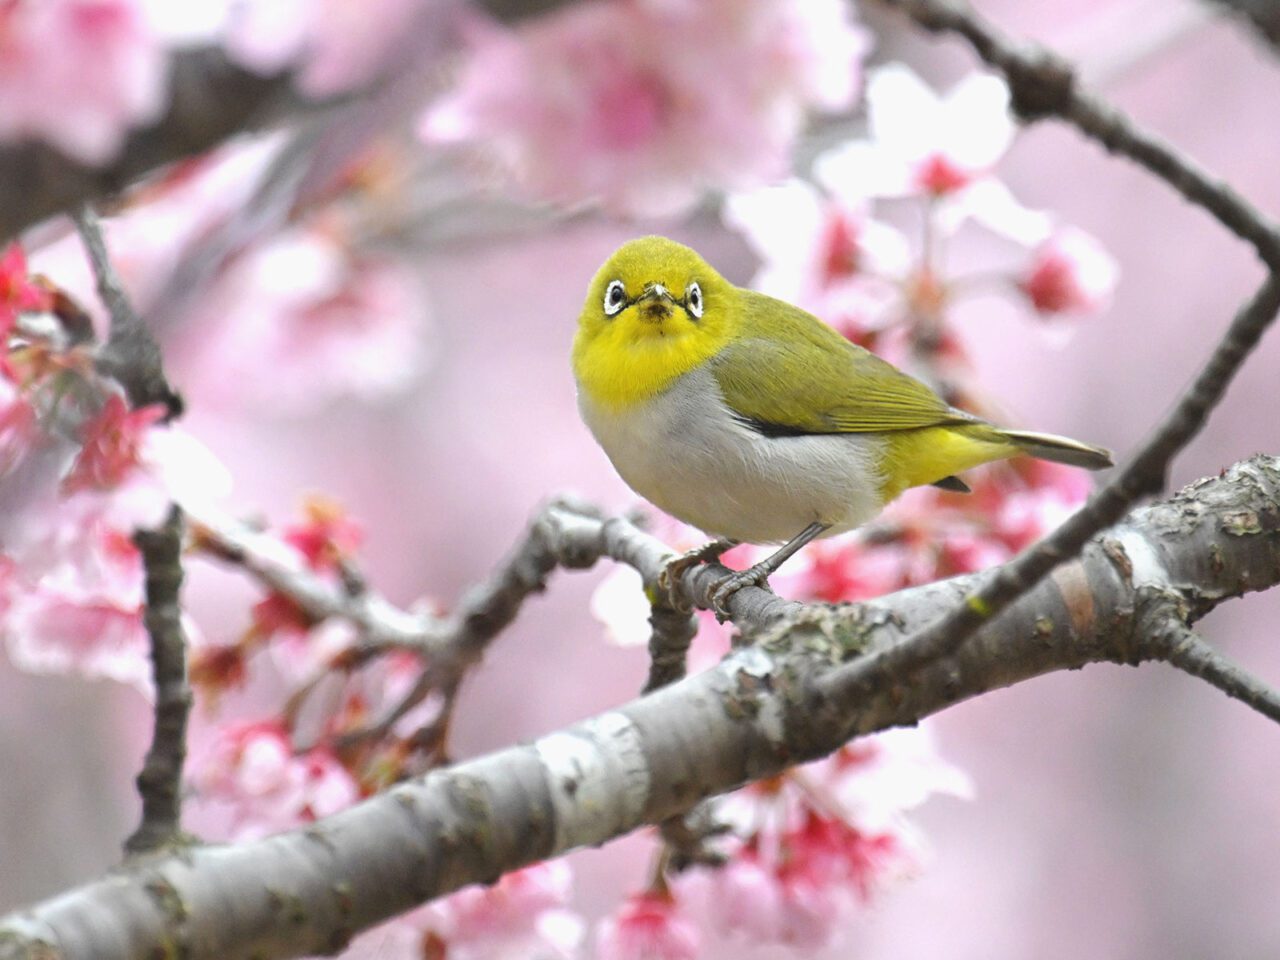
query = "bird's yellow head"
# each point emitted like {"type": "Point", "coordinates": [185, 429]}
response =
{"type": "Point", "coordinates": [654, 311]}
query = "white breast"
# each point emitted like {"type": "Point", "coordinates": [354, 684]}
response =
{"type": "Point", "coordinates": [686, 453]}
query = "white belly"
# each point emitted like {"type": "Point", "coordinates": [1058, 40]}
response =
{"type": "Point", "coordinates": [685, 453]}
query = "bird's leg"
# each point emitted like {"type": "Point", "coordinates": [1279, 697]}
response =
{"type": "Point", "coordinates": [759, 574]}
{"type": "Point", "coordinates": [669, 578]}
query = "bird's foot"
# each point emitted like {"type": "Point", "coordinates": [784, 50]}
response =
{"type": "Point", "coordinates": [669, 579]}
{"type": "Point", "coordinates": [757, 576]}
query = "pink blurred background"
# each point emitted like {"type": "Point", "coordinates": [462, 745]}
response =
{"type": "Point", "coordinates": [1120, 812]}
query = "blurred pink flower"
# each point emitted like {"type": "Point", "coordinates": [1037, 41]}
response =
{"type": "Point", "coordinates": [18, 428]}
{"type": "Point", "coordinates": [877, 779]}
{"type": "Point", "coordinates": [524, 916]}
{"type": "Point", "coordinates": [643, 105]}
{"type": "Point", "coordinates": [79, 74]}
{"type": "Point", "coordinates": [252, 782]}
{"type": "Point", "coordinates": [301, 320]}
{"type": "Point", "coordinates": [336, 45]}
{"type": "Point", "coordinates": [822, 254]}
{"type": "Point", "coordinates": [823, 837]}
{"type": "Point", "coordinates": [1069, 273]}
{"type": "Point", "coordinates": [841, 570]}
{"type": "Point", "coordinates": [920, 142]}
{"type": "Point", "coordinates": [17, 293]}
{"type": "Point", "coordinates": [648, 926]}
{"type": "Point", "coordinates": [111, 446]}
{"type": "Point", "coordinates": [75, 601]}
{"type": "Point", "coordinates": [746, 899]}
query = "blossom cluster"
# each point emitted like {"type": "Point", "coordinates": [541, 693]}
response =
{"type": "Point", "coordinates": [81, 471]}
{"type": "Point", "coordinates": [808, 847]}
{"type": "Point", "coordinates": [642, 105]}
{"type": "Point", "coordinates": [823, 248]}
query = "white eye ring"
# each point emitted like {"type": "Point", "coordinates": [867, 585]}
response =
{"type": "Point", "coordinates": [615, 298]}
{"type": "Point", "coordinates": [693, 300]}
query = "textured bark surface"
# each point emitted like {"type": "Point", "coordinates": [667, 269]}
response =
{"type": "Point", "coordinates": [762, 709]}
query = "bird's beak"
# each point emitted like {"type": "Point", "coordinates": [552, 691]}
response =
{"type": "Point", "coordinates": [655, 304]}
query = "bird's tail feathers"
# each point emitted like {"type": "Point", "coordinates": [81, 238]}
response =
{"type": "Point", "coordinates": [1047, 446]}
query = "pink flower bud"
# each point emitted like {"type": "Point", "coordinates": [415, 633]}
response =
{"type": "Point", "coordinates": [1069, 273]}
{"type": "Point", "coordinates": [648, 926]}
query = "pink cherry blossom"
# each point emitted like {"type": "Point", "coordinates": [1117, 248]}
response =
{"type": "Point", "coordinates": [819, 840]}
{"type": "Point", "coordinates": [79, 74]}
{"type": "Point", "coordinates": [877, 779]}
{"type": "Point", "coordinates": [17, 293]}
{"type": "Point", "coordinates": [821, 253]}
{"type": "Point", "coordinates": [746, 898]}
{"type": "Point", "coordinates": [300, 320]}
{"type": "Point", "coordinates": [336, 45]}
{"type": "Point", "coordinates": [644, 105]}
{"type": "Point", "coordinates": [326, 536]}
{"type": "Point", "coordinates": [75, 602]}
{"type": "Point", "coordinates": [111, 446]}
{"type": "Point", "coordinates": [523, 916]}
{"type": "Point", "coordinates": [920, 142]}
{"type": "Point", "coordinates": [1069, 273]}
{"type": "Point", "coordinates": [250, 782]}
{"type": "Point", "coordinates": [18, 428]}
{"type": "Point", "coordinates": [648, 926]}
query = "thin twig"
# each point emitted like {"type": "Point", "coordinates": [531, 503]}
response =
{"type": "Point", "coordinates": [1043, 84]}
{"type": "Point", "coordinates": [382, 626]}
{"type": "Point", "coordinates": [1262, 15]}
{"type": "Point", "coordinates": [131, 355]}
{"type": "Point", "coordinates": [160, 782]}
{"type": "Point", "coordinates": [1144, 474]}
{"type": "Point", "coordinates": [1188, 651]}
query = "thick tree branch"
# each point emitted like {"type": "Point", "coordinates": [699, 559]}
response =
{"type": "Point", "coordinates": [160, 782]}
{"type": "Point", "coordinates": [753, 715]}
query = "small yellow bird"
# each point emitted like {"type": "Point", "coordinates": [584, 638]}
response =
{"type": "Point", "coordinates": [753, 420]}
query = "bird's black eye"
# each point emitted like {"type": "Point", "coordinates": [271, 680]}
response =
{"type": "Point", "coordinates": [615, 297]}
{"type": "Point", "coordinates": [693, 300]}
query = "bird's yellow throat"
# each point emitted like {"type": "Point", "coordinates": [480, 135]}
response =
{"type": "Point", "coordinates": [629, 363]}
{"type": "Point", "coordinates": [626, 357]}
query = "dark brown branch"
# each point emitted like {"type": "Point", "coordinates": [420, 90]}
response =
{"type": "Point", "coordinates": [211, 100]}
{"type": "Point", "coordinates": [1144, 474]}
{"type": "Point", "coordinates": [131, 355]}
{"type": "Point", "coordinates": [160, 782]}
{"type": "Point", "coordinates": [1262, 15]}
